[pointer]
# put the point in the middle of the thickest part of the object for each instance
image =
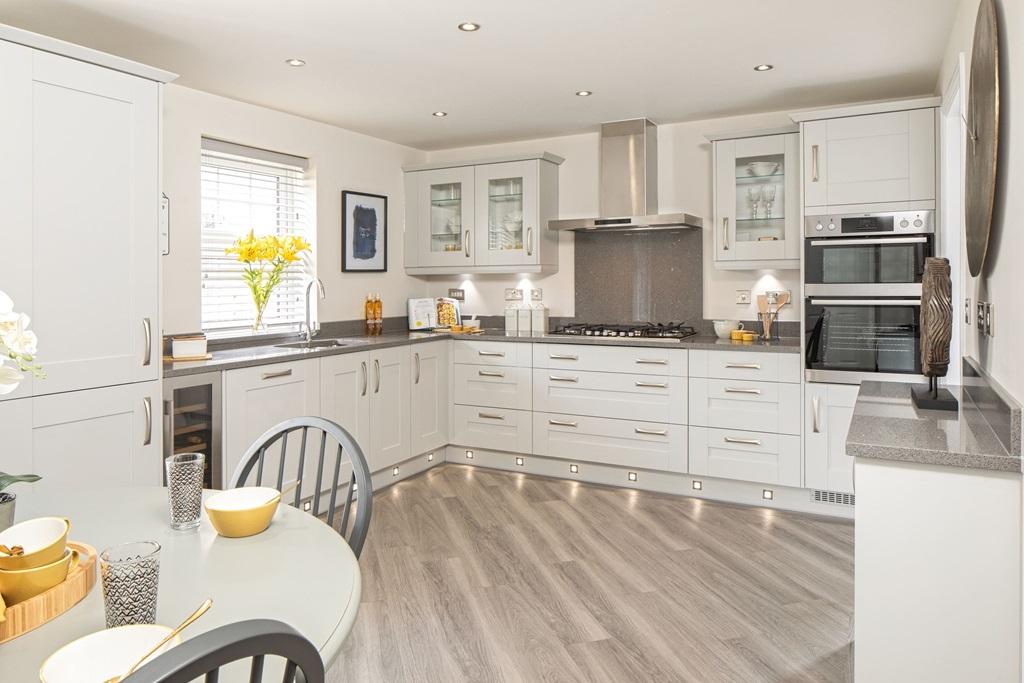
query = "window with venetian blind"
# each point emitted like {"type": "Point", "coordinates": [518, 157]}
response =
{"type": "Point", "coordinates": [242, 189]}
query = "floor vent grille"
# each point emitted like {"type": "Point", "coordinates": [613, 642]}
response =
{"type": "Point", "coordinates": [832, 497]}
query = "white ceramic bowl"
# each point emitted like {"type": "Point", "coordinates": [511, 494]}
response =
{"type": "Point", "coordinates": [98, 656]}
{"type": "Point", "coordinates": [762, 168]}
{"type": "Point", "coordinates": [724, 328]}
{"type": "Point", "coordinates": [43, 540]}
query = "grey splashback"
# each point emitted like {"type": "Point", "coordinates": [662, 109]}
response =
{"type": "Point", "coordinates": [626, 277]}
{"type": "Point", "coordinates": [1000, 410]}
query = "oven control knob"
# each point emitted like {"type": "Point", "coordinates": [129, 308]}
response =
{"type": "Point", "coordinates": [831, 226]}
{"type": "Point", "coordinates": [904, 223]}
{"type": "Point", "coordinates": [918, 222]}
{"type": "Point", "coordinates": [818, 227]}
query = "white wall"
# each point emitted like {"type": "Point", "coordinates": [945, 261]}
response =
{"type": "Point", "coordinates": [339, 160]}
{"type": "Point", "coordinates": [1000, 282]}
{"type": "Point", "coordinates": [684, 184]}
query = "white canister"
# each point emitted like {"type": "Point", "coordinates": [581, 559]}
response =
{"type": "Point", "coordinates": [511, 320]}
{"type": "Point", "coordinates": [539, 320]}
{"type": "Point", "coordinates": [525, 321]}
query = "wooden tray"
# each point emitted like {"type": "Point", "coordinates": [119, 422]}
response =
{"type": "Point", "coordinates": [35, 612]}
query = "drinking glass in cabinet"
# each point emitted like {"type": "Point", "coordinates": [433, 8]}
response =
{"type": "Point", "coordinates": [760, 206]}
{"type": "Point", "coordinates": [446, 217]}
{"type": "Point", "coordinates": [505, 214]}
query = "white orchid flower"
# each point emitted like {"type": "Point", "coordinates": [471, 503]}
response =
{"type": "Point", "coordinates": [19, 339]}
{"type": "Point", "coordinates": [10, 378]}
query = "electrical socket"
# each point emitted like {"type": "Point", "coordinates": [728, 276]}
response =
{"type": "Point", "coordinates": [743, 296]}
{"type": "Point", "coordinates": [536, 295]}
{"type": "Point", "coordinates": [773, 296]}
{"type": "Point", "coordinates": [513, 294]}
{"type": "Point", "coordinates": [457, 294]}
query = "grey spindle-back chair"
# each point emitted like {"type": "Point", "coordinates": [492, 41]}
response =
{"type": "Point", "coordinates": [256, 639]}
{"type": "Point", "coordinates": [358, 487]}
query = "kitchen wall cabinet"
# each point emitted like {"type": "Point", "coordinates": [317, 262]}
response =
{"type": "Point", "coordinates": [757, 205]}
{"type": "Point", "coordinates": [485, 217]}
{"type": "Point", "coordinates": [97, 438]}
{"type": "Point", "coordinates": [257, 398]}
{"type": "Point", "coordinates": [870, 159]}
{"type": "Point", "coordinates": [79, 212]}
{"type": "Point", "coordinates": [828, 410]}
{"type": "Point", "coordinates": [429, 411]}
{"type": "Point", "coordinates": [389, 407]}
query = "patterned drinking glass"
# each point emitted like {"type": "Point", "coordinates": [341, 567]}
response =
{"type": "Point", "coordinates": [131, 576]}
{"type": "Point", "coordinates": [184, 489]}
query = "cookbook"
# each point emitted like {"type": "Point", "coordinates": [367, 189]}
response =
{"type": "Point", "coordinates": [434, 313]}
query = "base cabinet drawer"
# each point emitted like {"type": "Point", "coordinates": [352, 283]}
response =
{"type": "Point", "coordinates": [638, 360]}
{"type": "Point", "coordinates": [475, 352]}
{"type": "Point", "coordinates": [736, 404]}
{"type": "Point", "coordinates": [627, 443]}
{"type": "Point", "coordinates": [752, 366]}
{"type": "Point", "coordinates": [492, 428]}
{"type": "Point", "coordinates": [651, 398]}
{"type": "Point", "coordinates": [494, 386]}
{"type": "Point", "coordinates": [750, 456]}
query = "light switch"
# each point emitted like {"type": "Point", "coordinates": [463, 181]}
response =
{"type": "Point", "coordinates": [743, 296]}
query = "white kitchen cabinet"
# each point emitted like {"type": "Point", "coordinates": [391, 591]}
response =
{"type": "Point", "coordinates": [79, 201]}
{"type": "Point", "coordinates": [757, 406]}
{"type": "Point", "coordinates": [389, 407]}
{"type": "Point", "coordinates": [870, 159]}
{"type": "Point", "coordinates": [345, 394]}
{"type": "Point", "coordinates": [828, 410]}
{"type": "Point", "coordinates": [745, 455]}
{"type": "Point", "coordinates": [97, 438]}
{"type": "Point", "coordinates": [257, 398]}
{"type": "Point", "coordinates": [757, 206]}
{"type": "Point", "coordinates": [483, 217]}
{"type": "Point", "coordinates": [502, 354]}
{"type": "Point", "coordinates": [430, 396]}
{"type": "Point", "coordinates": [627, 359]}
{"type": "Point", "coordinates": [492, 386]}
{"type": "Point", "coordinates": [746, 365]}
{"type": "Point", "coordinates": [654, 398]}
{"type": "Point", "coordinates": [624, 443]}
{"type": "Point", "coordinates": [497, 429]}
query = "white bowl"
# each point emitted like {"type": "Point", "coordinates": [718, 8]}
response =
{"type": "Point", "coordinates": [243, 498]}
{"type": "Point", "coordinates": [43, 540]}
{"type": "Point", "coordinates": [104, 654]}
{"type": "Point", "coordinates": [760, 169]}
{"type": "Point", "coordinates": [724, 328]}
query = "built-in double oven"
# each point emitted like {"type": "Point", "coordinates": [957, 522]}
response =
{"type": "Point", "coordinates": [862, 288]}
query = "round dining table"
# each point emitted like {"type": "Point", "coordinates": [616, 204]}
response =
{"type": "Point", "coordinates": [299, 571]}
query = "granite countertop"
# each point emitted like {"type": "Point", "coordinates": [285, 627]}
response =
{"type": "Point", "coordinates": [887, 426]}
{"type": "Point", "coordinates": [229, 359]}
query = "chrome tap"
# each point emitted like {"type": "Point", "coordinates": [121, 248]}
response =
{"type": "Point", "coordinates": [320, 290]}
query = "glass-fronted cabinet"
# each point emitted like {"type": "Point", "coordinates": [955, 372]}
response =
{"type": "Point", "coordinates": [447, 206]}
{"type": "Point", "coordinates": [757, 216]}
{"type": "Point", "coordinates": [486, 217]}
{"type": "Point", "coordinates": [192, 421]}
{"type": "Point", "coordinates": [506, 213]}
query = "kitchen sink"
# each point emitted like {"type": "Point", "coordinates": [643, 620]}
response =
{"type": "Point", "coordinates": [313, 344]}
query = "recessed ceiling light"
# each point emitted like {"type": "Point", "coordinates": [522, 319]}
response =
{"type": "Point", "coordinates": [764, 67]}
{"type": "Point", "coordinates": [295, 62]}
{"type": "Point", "coordinates": [584, 93]}
{"type": "Point", "coordinates": [440, 114]}
{"type": "Point", "coordinates": [469, 26]}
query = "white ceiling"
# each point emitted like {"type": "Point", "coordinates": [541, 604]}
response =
{"type": "Point", "coordinates": [382, 66]}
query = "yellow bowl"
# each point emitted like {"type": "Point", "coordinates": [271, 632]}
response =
{"type": "Point", "coordinates": [20, 585]}
{"type": "Point", "coordinates": [244, 511]}
{"type": "Point", "coordinates": [43, 538]}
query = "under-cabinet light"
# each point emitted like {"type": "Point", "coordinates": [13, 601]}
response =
{"type": "Point", "coordinates": [764, 67]}
{"type": "Point", "coordinates": [520, 461]}
{"type": "Point", "coordinates": [306, 506]}
{"type": "Point", "coordinates": [584, 93]}
{"type": "Point", "coordinates": [631, 476]}
{"type": "Point", "coordinates": [698, 485]}
{"type": "Point", "coordinates": [440, 114]}
{"type": "Point", "coordinates": [430, 457]}
{"type": "Point", "coordinates": [574, 468]}
{"type": "Point", "coordinates": [469, 455]}
{"type": "Point", "coordinates": [767, 494]}
{"type": "Point", "coordinates": [469, 26]}
{"type": "Point", "coordinates": [394, 472]}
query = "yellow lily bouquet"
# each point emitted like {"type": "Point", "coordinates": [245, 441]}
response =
{"type": "Point", "coordinates": [266, 258]}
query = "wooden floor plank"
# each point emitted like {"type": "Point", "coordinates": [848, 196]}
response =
{"type": "Point", "coordinates": [481, 575]}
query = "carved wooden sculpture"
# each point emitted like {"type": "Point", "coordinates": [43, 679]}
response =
{"type": "Point", "coordinates": [936, 333]}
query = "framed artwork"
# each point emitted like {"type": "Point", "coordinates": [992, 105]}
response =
{"type": "Point", "coordinates": [364, 232]}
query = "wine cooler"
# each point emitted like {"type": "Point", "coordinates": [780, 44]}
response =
{"type": "Point", "coordinates": [192, 421]}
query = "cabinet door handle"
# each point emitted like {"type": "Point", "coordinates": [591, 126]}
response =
{"type": "Point", "coordinates": [725, 233]}
{"type": "Point", "coordinates": [275, 375]}
{"type": "Point", "coordinates": [557, 378]}
{"type": "Point", "coordinates": [562, 423]}
{"type": "Point", "coordinates": [529, 241]}
{"type": "Point", "coordinates": [744, 366]}
{"type": "Point", "coordinates": [376, 375]}
{"type": "Point", "coordinates": [490, 416]}
{"type": "Point", "coordinates": [749, 442]}
{"type": "Point", "coordinates": [815, 420]}
{"type": "Point", "coordinates": [651, 361]}
{"type": "Point", "coordinates": [737, 390]}
{"type": "Point", "coordinates": [489, 373]}
{"type": "Point", "coordinates": [147, 433]}
{"type": "Point", "coordinates": [465, 244]}
{"type": "Point", "coordinates": [416, 356]}
{"type": "Point", "coordinates": [147, 330]}
{"type": "Point", "coordinates": [814, 163]}
{"type": "Point", "coordinates": [563, 356]}
{"type": "Point", "coordinates": [652, 432]}
{"type": "Point", "coordinates": [366, 377]}
{"type": "Point", "coordinates": [652, 385]}
{"type": "Point", "coordinates": [497, 354]}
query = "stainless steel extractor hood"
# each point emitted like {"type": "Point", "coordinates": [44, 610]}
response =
{"type": "Point", "coordinates": [629, 183]}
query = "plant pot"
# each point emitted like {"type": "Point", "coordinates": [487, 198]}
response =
{"type": "Point", "coordinates": [7, 501]}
